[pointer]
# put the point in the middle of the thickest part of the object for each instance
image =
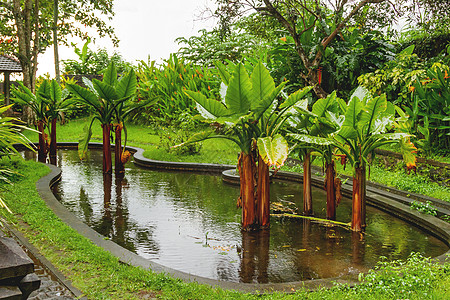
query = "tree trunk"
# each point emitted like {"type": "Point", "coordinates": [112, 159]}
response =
{"type": "Point", "coordinates": [107, 163]}
{"type": "Point", "coordinates": [53, 145]}
{"type": "Point", "coordinates": [247, 180]}
{"type": "Point", "coordinates": [331, 191]}
{"type": "Point", "coordinates": [119, 167]}
{"type": "Point", "coordinates": [358, 199]}
{"type": "Point", "coordinates": [55, 40]}
{"type": "Point", "coordinates": [263, 195]}
{"type": "Point", "coordinates": [307, 197]}
{"type": "Point", "coordinates": [42, 151]}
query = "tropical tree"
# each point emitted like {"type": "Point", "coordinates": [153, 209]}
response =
{"type": "Point", "coordinates": [249, 106]}
{"type": "Point", "coordinates": [56, 100]}
{"type": "Point", "coordinates": [27, 26]}
{"type": "Point", "coordinates": [104, 97]}
{"type": "Point", "coordinates": [317, 127]}
{"type": "Point", "coordinates": [311, 23]}
{"type": "Point", "coordinates": [38, 104]}
{"type": "Point", "coordinates": [364, 128]}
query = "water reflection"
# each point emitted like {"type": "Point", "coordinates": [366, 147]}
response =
{"type": "Point", "coordinates": [254, 254]}
{"type": "Point", "coordinates": [189, 222]}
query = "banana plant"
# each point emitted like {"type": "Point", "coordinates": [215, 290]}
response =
{"type": "Point", "coordinates": [364, 128]}
{"type": "Point", "coordinates": [317, 126]}
{"type": "Point", "coordinates": [39, 105]}
{"type": "Point", "coordinates": [105, 97]}
{"type": "Point", "coordinates": [249, 107]}
{"type": "Point", "coordinates": [56, 100]}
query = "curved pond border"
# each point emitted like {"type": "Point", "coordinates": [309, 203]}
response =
{"type": "Point", "coordinates": [431, 224]}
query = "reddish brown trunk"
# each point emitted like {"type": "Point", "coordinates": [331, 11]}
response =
{"type": "Point", "coordinates": [247, 191]}
{"type": "Point", "coordinates": [363, 197]}
{"type": "Point", "coordinates": [263, 196]}
{"type": "Point", "coordinates": [119, 166]}
{"type": "Point", "coordinates": [107, 163]}
{"type": "Point", "coordinates": [307, 197]}
{"type": "Point", "coordinates": [358, 200]}
{"type": "Point", "coordinates": [53, 145]}
{"type": "Point", "coordinates": [331, 192]}
{"type": "Point", "coordinates": [42, 151]}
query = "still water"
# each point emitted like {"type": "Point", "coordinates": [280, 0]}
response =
{"type": "Point", "coordinates": [190, 222]}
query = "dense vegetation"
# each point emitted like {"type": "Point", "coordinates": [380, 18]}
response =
{"type": "Point", "coordinates": [249, 83]}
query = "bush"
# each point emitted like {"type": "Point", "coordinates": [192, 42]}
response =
{"type": "Point", "coordinates": [168, 84]}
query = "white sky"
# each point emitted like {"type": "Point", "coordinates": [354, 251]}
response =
{"type": "Point", "coordinates": [144, 27]}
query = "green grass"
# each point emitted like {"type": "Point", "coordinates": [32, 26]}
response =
{"type": "Point", "coordinates": [217, 151]}
{"type": "Point", "coordinates": [101, 276]}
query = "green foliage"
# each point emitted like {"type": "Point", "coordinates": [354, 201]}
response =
{"type": "Point", "coordinates": [427, 46]}
{"type": "Point", "coordinates": [94, 62]}
{"type": "Point", "coordinates": [38, 103]}
{"type": "Point", "coordinates": [209, 46]}
{"type": "Point", "coordinates": [111, 99]}
{"type": "Point", "coordinates": [355, 53]}
{"type": "Point", "coordinates": [425, 208]}
{"type": "Point", "coordinates": [405, 278]}
{"type": "Point", "coordinates": [250, 107]}
{"type": "Point", "coordinates": [10, 134]}
{"type": "Point", "coordinates": [170, 137]}
{"type": "Point", "coordinates": [168, 83]}
{"type": "Point", "coordinates": [431, 109]}
{"type": "Point", "coordinates": [395, 78]}
{"type": "Point", "coordinates": [74, 19]}
{"type": "Point", "coordinates": [422, 91]}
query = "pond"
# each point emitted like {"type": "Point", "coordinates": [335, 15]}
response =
{"type": "Point", "coordinates": [189, 222]}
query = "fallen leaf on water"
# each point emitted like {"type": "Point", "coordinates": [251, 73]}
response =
{"type": "Point", "coordinates": [285, 246]}
{"type": "Point", "coordinates": [301, 250]}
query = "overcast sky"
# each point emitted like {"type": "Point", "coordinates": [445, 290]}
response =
{"type": "Point", "coordinates": [144, 27]}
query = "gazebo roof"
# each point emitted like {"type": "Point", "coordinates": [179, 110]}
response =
{"type": "Point", "coordinates": [9, 64]}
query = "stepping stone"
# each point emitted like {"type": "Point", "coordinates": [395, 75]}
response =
{"type": "Point", "coordinates": [10, 293]}
{"type": "Point", "coordinates": [14, 262]}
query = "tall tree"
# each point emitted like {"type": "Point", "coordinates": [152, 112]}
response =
{"type": "Point", "coordinates": [306, 21]}
{"type": "Point", "coordinates": [27, 27]}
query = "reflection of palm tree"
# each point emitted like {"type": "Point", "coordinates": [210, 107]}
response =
{"type": "Point", "coordinates": [85, 205]}
{"type": "Point", "coordinates": [357, 249]}
{"type": "Point", "coordinates": [105, 225]}
{"type": "Point", "coordinates": [255, 256]}
{"type": "Point", "coordinates": [115, 223]}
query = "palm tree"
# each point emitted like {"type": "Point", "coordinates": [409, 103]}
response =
{"type": "Point", "coordinates": [105, 97]}
{"type": "Point", "coordinates": [255, 123]}
{"type": "Point", "coordinates": [39, 105]}
{"type": "Point", "coordinates": [56, 100]}
{"type": "Point", "coordinates": [364, 128]}
{"type": "Point", "coordinates": [317, 126]}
